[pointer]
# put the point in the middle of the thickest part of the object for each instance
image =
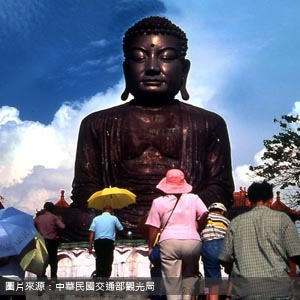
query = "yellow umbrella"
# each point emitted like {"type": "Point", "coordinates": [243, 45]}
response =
{"type": "Point", "coordinates": [34, 257]}
{"type": "Point", "coordinates": [115, 197]}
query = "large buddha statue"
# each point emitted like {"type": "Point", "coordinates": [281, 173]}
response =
{"type": "Point", "coordinates": [133, 145]}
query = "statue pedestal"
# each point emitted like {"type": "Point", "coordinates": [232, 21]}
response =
{"type": "Point", "coordinates": [130, 260]}
{"type": "Point", "coordinates": [74, 261]}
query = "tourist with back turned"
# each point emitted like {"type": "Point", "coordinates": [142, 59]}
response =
{"type": "Point", "coordinates": [102, 235]}
{"type": "Point", "coordinates": [175, 215]}
{"type": "Point", "coordinates": [258, 245]}
{"type": "Point", "coordinates": [50, 227]}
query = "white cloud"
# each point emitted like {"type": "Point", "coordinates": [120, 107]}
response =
{"type": "Point", "coordinates": [25, 144]}
{"type": "Point", "coordinates": [258, 156]}
{"type": "Point", "coordinates": [41, 185]}
{"type": "Point", "coordinates": [243, 177]}
{"type": "Point", "coordinates": [8, 114]}
{"type": "Point", "coordinates": [36, 161]}
{"type": "Point", "coordinates": [296, 108]}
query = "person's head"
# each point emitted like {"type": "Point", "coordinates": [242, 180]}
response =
{"type": "Point", "coordinates": [260, 191]}
{"type": "Point", "coordinates": [107, 208]}
{"type": "Point", "coordinates": [49, 206]}
{"type": "Point", "coordinates": [155, 67]}
{"type": "Point", "coordinates": [217, 207]}
{"type": "Point", "coordinates": [174, 183]}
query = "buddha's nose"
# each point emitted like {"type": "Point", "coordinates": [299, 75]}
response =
{"type": "Point", "coordinates": [152, 67]}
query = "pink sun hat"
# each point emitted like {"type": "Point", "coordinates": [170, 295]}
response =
{"type": "Point", "coordinates": [174, 183]}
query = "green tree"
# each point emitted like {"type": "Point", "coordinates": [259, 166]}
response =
{"type": "Point", "coordinates": [281, 159]}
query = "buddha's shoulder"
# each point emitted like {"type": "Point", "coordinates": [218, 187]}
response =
{"type": "Point", "coordinates": [106, 113]}
{"type": "Point", "coordinates": [201, 114]}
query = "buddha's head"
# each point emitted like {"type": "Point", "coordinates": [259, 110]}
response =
{"type": "Point", "coordinates": [155, 66]}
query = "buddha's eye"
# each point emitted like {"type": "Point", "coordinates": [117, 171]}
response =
{"type": "Point", "coordinates": [168, 54]}
{"type": "Point", "coordinates": [136, 55]}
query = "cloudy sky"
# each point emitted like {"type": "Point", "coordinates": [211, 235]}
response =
{"type": "Point", "coordinates": [60, 60]}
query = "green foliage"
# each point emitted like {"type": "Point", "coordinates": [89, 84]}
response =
{"type": "Point", "coordinates": [281, 159]}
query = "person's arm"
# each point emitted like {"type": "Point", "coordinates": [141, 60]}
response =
{"type": "Point", "coordinates": [119, 225]}
{"type": "Point", "coordinates": [226, 254]}
{"type": "Point", "coordinates": [202, 221]}
{"type": "Point", "coordinates": [153, 231]}
{"type": "Point", "coordinates": [229, 289]}
{"type": "Point", "coordinates": [92, 236]}
{"type": "Point", "coordinates": [59, 223]}
{"type": "Point", "coordinates": [291, 239]}
{"type": "Point", "coordinates": [153, 223]}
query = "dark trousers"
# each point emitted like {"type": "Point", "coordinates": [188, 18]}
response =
{"type": "Point", "coordinates": [52, 247]}
{"type": "Point", "coordinates": [104, 249]}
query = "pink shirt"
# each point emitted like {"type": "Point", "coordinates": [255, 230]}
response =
{"type": "Point", "coordinates": [182, 224]}
{"type": "Point", "coordinates": [49, 225]}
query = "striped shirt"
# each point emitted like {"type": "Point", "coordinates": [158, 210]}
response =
{"type": "Point", "coordinates": [216, 227]}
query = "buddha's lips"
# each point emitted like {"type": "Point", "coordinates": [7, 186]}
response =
{"type": "Point", "coordinates": [152, 82]}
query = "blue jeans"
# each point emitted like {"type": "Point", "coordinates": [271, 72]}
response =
{"type": "Point", "coordinates": [210, 251]}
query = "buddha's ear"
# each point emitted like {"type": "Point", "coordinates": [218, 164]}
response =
{"type": "Point", "coordinates": [183, 91]}
{"type": "Point", "coordinates": [125, 93]}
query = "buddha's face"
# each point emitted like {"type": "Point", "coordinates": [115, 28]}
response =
{"type": "Point", "coordinates": [153, 67]}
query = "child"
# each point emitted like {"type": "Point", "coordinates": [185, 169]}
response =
{"type": "Point", "coordinates": [212, 239]}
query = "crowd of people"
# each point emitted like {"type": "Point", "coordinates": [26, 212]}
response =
{"type": "Point", "coordinates": [254, 247]}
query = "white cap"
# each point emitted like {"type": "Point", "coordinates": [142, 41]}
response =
{"type": "Point", "coordinates": [217, 205]}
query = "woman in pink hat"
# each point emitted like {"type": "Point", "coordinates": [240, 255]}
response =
{"type": "Point", "coordinates": [177, 212]}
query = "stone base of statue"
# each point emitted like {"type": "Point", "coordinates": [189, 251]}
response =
{"type": "Point", "coordinates": [76, 268]}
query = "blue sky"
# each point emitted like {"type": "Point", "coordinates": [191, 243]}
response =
{"type": "Point", "coordinates": [61, 60]}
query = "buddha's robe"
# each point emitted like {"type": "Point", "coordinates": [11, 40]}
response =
{"type": "Point", "coordinates": [132, 147]}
